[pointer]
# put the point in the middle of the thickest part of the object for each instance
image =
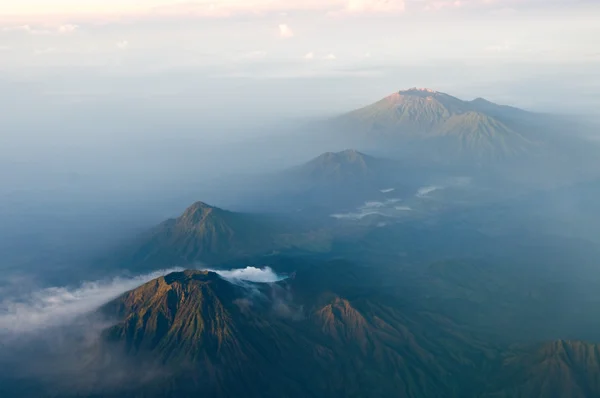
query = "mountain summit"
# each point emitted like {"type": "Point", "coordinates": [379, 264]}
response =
{"type": "Point", "coordinates": [337, 166]}
{"type": "Point", "coordinates": [478, 128]}
{"type": "Point", "coordinates": [202, 233]}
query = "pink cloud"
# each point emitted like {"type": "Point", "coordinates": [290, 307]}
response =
{"type": "Point", "coordinates": [285, 32]}
{"type": "Point", "coordinates": [94, 9]}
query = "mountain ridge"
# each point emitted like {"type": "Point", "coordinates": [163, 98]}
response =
{"type": "Point", "coordinates": [471, 129]}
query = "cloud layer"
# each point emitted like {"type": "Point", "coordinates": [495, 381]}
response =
{"type": "Point", "coordinates": [198, 8]}
{"type": "Point", "coordinates": [56, 306]}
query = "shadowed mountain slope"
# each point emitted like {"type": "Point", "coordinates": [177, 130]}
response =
{"type": "Point", "coordinates": [553, 370]}
{"type": "Point", "coordinates": [202, 233]}
{"type": "Point", "coordinates": [227, 339]}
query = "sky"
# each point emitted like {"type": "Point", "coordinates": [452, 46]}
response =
{"type": "Point", "coordinates": [99, 74]}
{"type": "Point", "coordinates": [91, 48]}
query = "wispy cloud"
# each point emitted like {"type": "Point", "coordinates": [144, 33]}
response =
{"type": "Point", "coordinates": [197, 8]}
{"type": "Point", "coordinates": [374, 6]}
{"type": "Point", "coordinates": [67, 28]}
{"type": "Point", "coordinates": [251, 274]}
{"type": "Point", "coordinates": [425, 191]}
{"type": "Point", "coordinates": [122, 45]}
{"type": "Point", "coordinates": [61, 29]}
{"type": "Point", "coordinates": [58, 305]}
{"type": "Point", "coordinates": [285, 32]}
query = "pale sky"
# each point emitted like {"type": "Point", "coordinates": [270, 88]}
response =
{"type": "Point", "coordinates": [508, 50]}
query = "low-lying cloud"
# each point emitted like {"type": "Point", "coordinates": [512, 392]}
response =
{"type": "Point", "coordinates": [425, 191]}
{"type": "Point", "coordinates": [371, 208]}
{"type": "Point", "coordinates": [55, 306]}
{"type": "Point", "coordinates": [251, 274]}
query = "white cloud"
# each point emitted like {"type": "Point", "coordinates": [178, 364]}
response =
{"type": "Point", "coordinates": [58, 305]}
{"type": "Point", "coordinates": [251, 274]}
{"type": "Point", "coordinates": [42, 30]}
{"type": "Point", "coordinates": [43, 10]}
{"type": "Point", "coordinates": [309, 55]}
{"type": "Point", "coordinates": [330, 57]}
{"type": "Point", "coordinates": [499, 48]}
{"type": "Point", "coordinates": [67, 28]}
{"type": "Point", "coordinates": [375, 6]}
{"type": "Point", "coordinates": [285, 32]}
{"type": "Point", "coordinates": [44, 51]}
{"type": "Point", "coordinates": [28, 29]}
{"type": "Point", "coordinates": [122, 45]}
{"type": "Point", "coordinates": [425, 191]}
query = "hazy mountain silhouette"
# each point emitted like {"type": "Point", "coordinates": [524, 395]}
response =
{"type": "Point", "coordinates": [202, 233]}
{"type": "Point", "coordinates": [475, 129]}
{"type": "Point", "coordinates": [553, 370]}
{"type": "Point", "coordinates": [349, 166]}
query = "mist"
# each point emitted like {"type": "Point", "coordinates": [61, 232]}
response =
{"type": "Point", "coordinates": [446, 150]}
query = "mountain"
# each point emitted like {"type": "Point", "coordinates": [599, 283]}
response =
{"type": "Point", "coordinates": [201, 233]}
{"type": "Point", "coordinates": [552, 370]}
{"type": "Point", "coordinates": [291, 339]}
{"type": "Point", "coordinates": [338, 180]}
{"type": "Point", "coordinates": [339, 167]}
{"type": "Point", "coordinates": [476, 129]}
{"type": "Point", "coordinates": [324, 334]}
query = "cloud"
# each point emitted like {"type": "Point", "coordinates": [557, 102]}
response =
{"type": "Point", "coordinates": [356, 216]}
{"type": "Point", "coordinates": [309, 55]}
{"type": "Point", "coordinates": [251, 274]}
{"type": "Point", "coordinates": [387, 190]}
{"type": "Point", "coordinates": [374, 6]}
{"type": "Point", "coordinates": [56, 306]}
{"type": "Point", "coordinates": [330, 57]}
{"type": "Point", "coordinates": [285, 32]}
{"type": "Point", "coordinates": [371, 208]}
{"type": "Point", "coordinates": [92, 9]}
{"type": "Point", "coordinates": [442, 4]}
{"type": "Point", "coordinates": [39, 30]}
{"type": "Point", "coordinates": [499, 48]}
{"type": "Point", "coordinates": [122, 45]}
{"type": "Point", "coordinates": [425, 191]}
{"type": "Point", "coordinates": [44, 51]}
{"type": "Point", "coordinates": [28, 29]}
{"type": "Point", "coordinates": [67, 28]}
